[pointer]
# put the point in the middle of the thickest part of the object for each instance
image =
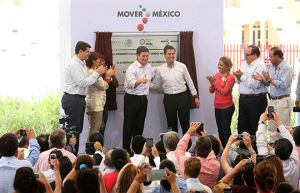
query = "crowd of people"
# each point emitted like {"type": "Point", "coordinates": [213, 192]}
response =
{"type": "Point", "coordinates": [196, 162]}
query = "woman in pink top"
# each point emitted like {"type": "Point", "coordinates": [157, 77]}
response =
{"type": "Point", "coordinates": [222, 84]}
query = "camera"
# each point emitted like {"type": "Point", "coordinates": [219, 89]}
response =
{"type": "Point", "coordinates": [296, 109]}
{"type": "Point", "coordinates": [89, 148]}
{"type": "Point", "coordinates": [70, 130]}
{"type": "Point", "coordinates": [23, 132]}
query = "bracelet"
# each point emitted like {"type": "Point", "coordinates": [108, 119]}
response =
{"type": "Point", "coordinates": [106, 80]}
{"type": "Point", "coordinates": [251, 153]}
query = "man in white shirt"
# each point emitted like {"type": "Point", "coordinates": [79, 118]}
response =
{"type": "Point", "coordinates": [285, 148]}
{"type": "Point", "coordinates": [173, 76]}
{"type": "Point", "coordinates": [136, 86]}
{"type": "Point", "coordinates": [77, 80]}
{"type": "Point", "coordinates": [50, 173]}
{"type": "Point", "coordinates": [253, 99]}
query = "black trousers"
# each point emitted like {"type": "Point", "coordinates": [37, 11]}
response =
{"type": "Point", "coordinates": [177, 104]}
{"type": "Point", "coordinates": [250, 110]}
{"type": "Point", "coordinates": [223, 119]}
{"type": "Point", "coordinates": [135, 110]}
{"type": "Point", "coordinates": [74, 106]}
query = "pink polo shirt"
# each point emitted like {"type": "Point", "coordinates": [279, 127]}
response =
{"type": "Point", "coordinates": [42, 163]}
{"type": "Point", "coordinates": [209, 166]}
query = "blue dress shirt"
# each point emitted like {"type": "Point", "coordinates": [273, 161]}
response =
{"type": "Point", "coordinates": [180, 183]}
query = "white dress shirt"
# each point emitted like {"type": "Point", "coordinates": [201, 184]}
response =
{"type": "Point", "coordinates": [139, 159]}
{"type": "Point", "coordinates": [247, 84]}
{"type": "Point", "coordinates": [135, 72]}
{"type": "Point", "coordinates": [173, 79]}
{"type": "Point", "coordinates": [291, 165]}
{"type": "Point", "coordinates": [171, 156]}
{"type": "Point", "coordinates": [77, 77]}
{"type": "Point", "coordinates": [50, 175]}
{"type": "Point", "coordinates": [195, 184]}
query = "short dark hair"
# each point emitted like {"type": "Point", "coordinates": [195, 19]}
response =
{"type": "Point", "coordinates": [254, 50]}
{"type": "Point", "coordinates": [94, 137]}
{"type": "Point", "coordinates": [168, 47]}
{"type": "Point", "coordinates": [277, 51]}
{"type": "Point", "coordinates": [43, 141]}
{"type": "Point", "coordinates": [141, 49]}
{"type": "Point", "coordinates": [203, 146]}
{"type": "Point", "coordinates": [296, 135]}
{"type": "Point", "coordinates": [284, 187]}
{"type": "Point", "coordinates": [8, 145]}
{"type": "Point", "coordinates": [283, 148]}
{"type": "Point", "coordinates": [107, 160]}
{"type": "Point", "coordinates": [92, 57]}
{"type": "Point", "coordinates": [119, 158]}
{"type": "Point", "coordinates": [57, 152]}
{"type": "Point", "coordinates": [84, 159]}
{"type": "Point", "coordinates": [170, 165]}
{"type": "Point", "coordinates": [65, 166]}
{"type": "Point", "coordinates": [171, 139]}
{"type": "Point", "coordinates": [86, 180]}
{"type": "Point", "coordinates": [81, 45]}
{"type": "Point", "coordinates": [192, 167]}
{"type": "Point", "coordinates": [215, 144]}
{"type": "Point", "coordinates": [137, 144]}
{"type": "Point", "coordinates": [249, 174]}
{"type": "Point", "coordinates": [57, 138]}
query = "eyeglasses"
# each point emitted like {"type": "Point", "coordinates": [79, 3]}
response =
{"type": "Point", "coordinates": [246, 55]}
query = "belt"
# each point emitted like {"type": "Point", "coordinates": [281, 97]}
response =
{"type": "Point", "coordinates": [77, 95]}
{"type": "Point", "coordinates": [252, 95]}
{"type": "Point", "coordinates": [175, 94]}
{"type": "Point", "coordinates": [280, 97]}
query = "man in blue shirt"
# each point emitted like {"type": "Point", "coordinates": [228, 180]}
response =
{"type": "Point", "coordinates": [279, 77]}
{"type": "Point", "coordinates": [9, 163]}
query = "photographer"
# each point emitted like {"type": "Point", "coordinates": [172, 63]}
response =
{"type": "Point", "coordinates": [71, 142]}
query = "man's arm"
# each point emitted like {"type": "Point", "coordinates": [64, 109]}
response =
{"type": "Point", "coordinates": [298, 91]}
{"type": "Point", "coordinates": [79, 77]}
{"type": "Point", "coordinates": [34, 150]}
{"type": "Point", "coordinates": [250, 81]}
{"type": "Point", "coordinates": [189, 81]}
{"type": "Point", "coordinates": [261, 139]}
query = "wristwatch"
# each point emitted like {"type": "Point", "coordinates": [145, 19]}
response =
{"type": "Point", "coordinates": [261, 122]}
{"type": "Point", "coordinates": [270, 81]}
{"type": "Point", "coordinates": [196, 96]}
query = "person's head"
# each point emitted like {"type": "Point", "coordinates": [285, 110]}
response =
{"type": "Point", "coordinates": [170, 165]}
{"type": "Point", "coordinates": [137, 144]}
{"type": "Point", "coordinates": [284, 187]}
{"type": "Point", "coordinates": [192, 167]}
{"type": "Point", "coordinates": [275, 56]}
{"type": "Point", "coordinates": [283, 148]}
{"type": "Point", "coordinates": [161, 150]}
{"type": "Point", "coordinates": [119, 158]}
{"type": "Point", "coordinates": [86, 180]}
{"type": "Point", "coordinates": [84, 159]}
{"type": "Point", "coordinates": [82, 50]}
{"type": "Point", "coordinates": [108, 163]}
{"type": "Point", "coordinates": [125, 177]}
{"type": "Point", "coordinates": [24, 143]}
{"type": "Point", "coordinates": [65, 166]}
{"type": "Point", "coordinates": [296, 135]}
{"type": "Point", "coordinates": [25, 181]}
{"type": "Point", "coordinates": [170, 140]}
{"type": "Point", "coordinates": [43, 141]}
{"type": "Point", "coordinates": [203, 146]}
{"type": "Point", "coordinates": [215, 144]}
{"type": "Point", "coordinates": [57, 138]}
{"type": "Point", "coordinates": [58, 156]}
{"type": "Point", "coordinates": [94, 137]}
{"type": "Point", "coordinates": [93, 60]}
{"type": "Point", "coordinates": [102, 59]}
{"type": "Point", "coordinates": [8, 145]}
{"type": "Point", "coordinates": [169, 53]}
{"type": "Point", "coordinates": [238, 158]}
{"type": "Point", "coordinates": [248, 174]}
{"type": "Point", "coordinates": [275, 160]}
{"type": "Point", "coordinates": [265, 176]}
{"type": "Point", "coordinates": [224, 64]}
{"type": "Point", "coordinates": [142, 54]}
{"type": "Point", "coordinates": [251, 53]}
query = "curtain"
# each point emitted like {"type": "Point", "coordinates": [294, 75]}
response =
{"type": "Point", "coordinates": [187, 57]}
{"type": "Point", "coordinates": [103, 46]}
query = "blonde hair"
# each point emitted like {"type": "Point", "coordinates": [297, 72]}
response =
{"type": "Point", "coordinates": [227, 61]}
{"type": "Point", "coordinates": [126, 177]}
{"type": "Point", "coordinates": [219, 187]}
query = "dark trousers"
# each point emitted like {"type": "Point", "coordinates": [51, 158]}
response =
{"type": "Point", "coordinates": [177, 104]}
{"type": "Point", "coordinates": [74, 106]}
{"type": "Point", "coordinates": [104, 120]}
{"type": "Point", "coordinates": [135, 109]}
{"type": "Point", "coordinates": [223, 118]}
{"type": "Point", "coordinates": [250, 110]}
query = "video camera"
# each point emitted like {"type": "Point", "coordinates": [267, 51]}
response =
{"type": "Point", "coordinates": [64, 121]}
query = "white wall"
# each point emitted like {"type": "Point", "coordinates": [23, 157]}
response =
{"type": "Point", "coordinates": [204, 17]}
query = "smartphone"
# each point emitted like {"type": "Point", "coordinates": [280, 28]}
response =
{"type": "Point", "coordinates": [240, 137]}
{"type": "Point", "coordinates": [153, 175]}
{"type": "Point", "coordinates": [23, 132]}
{"type": "Point", "coordinates": [37, 175]}
{"type": "Point", "coordinates": [227, 190]}
{"type": "Point", "coordinates": [149, 143]}
{"type": "Point", "coordinates": [52, 158]}
{"type": "Point", "coordinates": [252, 136]}
{"type": "Point", "coordinates": [200, 128]}
{"type": "Point", "coordinates": [89, 148]}
{"type": "Point", "coordinates": [259, 158]}
{"type": "Point", "coordinates": [270, 111]}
